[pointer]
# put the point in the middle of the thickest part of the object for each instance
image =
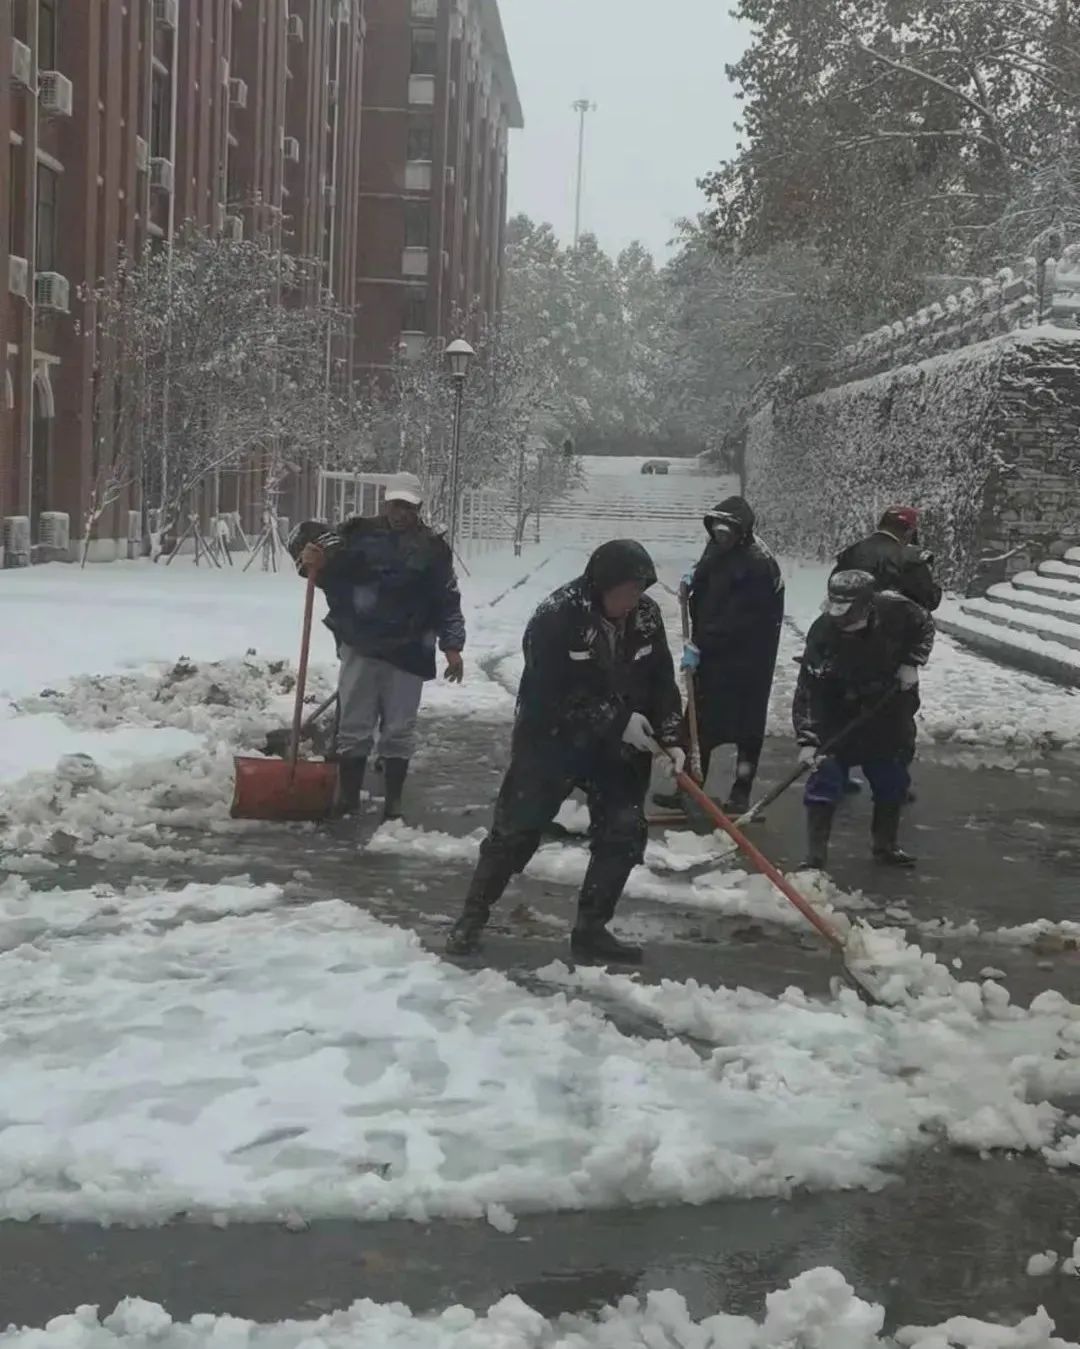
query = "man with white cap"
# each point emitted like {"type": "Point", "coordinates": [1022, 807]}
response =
{"type": "Point", "coordinates": [393, 598]}
{"type": "Point", "coordinates": [860, 670]}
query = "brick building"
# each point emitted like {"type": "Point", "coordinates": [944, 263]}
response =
{"type": "Point", "coordinates": [127, 118]}
{"type": "Point", "coordinates": [439, 101]}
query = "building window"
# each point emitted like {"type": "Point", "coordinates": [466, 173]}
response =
{"type": "Point", "coordinates": [159, 117]}
{"type": "Point", "coordinates": [45, 244]}
{"type": "Point", "coordinates": [47, 55]}
{"type": "Point", "coordinates": [425, 52]}
{"type": "Point", "coordinates": [415, 317]}
{"type": "Point", "coordinates": [15, 201]}
{"type": "Point", "coordinates": [421, 143]}
{"type": "Point", "coordinates": [417, 224]}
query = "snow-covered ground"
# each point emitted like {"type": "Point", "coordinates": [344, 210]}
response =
{"type": "Point", "coordinates": [818, 1310]}
{"type": "Point", "coordinates": [314, 1061]}
{"type": "Point", "coordinates": [223, 1052]}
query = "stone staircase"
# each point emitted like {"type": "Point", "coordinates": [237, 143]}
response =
{"type": "Point", "coordinates": [1031, 621]}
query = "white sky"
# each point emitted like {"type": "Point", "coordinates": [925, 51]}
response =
{"type": "Point", "coordinates": [666, 112]}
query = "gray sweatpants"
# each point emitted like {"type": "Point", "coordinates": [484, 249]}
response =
{"type": "Point", "coordinates": [376, 697]}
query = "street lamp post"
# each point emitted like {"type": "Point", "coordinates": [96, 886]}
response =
{"type": "Point", "coordinates": [458, 356]}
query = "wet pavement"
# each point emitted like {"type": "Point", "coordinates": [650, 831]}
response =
{"type": "Point", "coordinates": [998, 846]}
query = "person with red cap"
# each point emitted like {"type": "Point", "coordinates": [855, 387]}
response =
{"type": "Point", "coordinates": [894, 559]}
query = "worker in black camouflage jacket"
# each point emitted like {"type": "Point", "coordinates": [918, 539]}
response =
{"type": "Point", "coordinates": [863, 656]}
{"type": "Point", "coordinates": [597, 690]}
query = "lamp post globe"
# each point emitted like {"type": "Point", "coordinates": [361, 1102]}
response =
{"type": "Point", "coordinates": [459, 357]}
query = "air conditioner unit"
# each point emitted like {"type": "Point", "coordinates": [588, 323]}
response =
{"type": "Point", "coordinates": [234, 228]}
{"type": "Point", "coordinates": [51, 291]}
{"type": "Point", "coordinates": [18, 276]}
{"type": "Point", "coordinates": [16, 538]}
{"type": "Point", "coordinates": [332, 93]}
{"type": "Point", "coordinates": [166, 12]}
{"type": "Point", "coordinates": [142, 154]}
{"type": "Point", "coordinates": [237, 93]}
{"type": "Point", "coordinates": [290, 148]}
{"type": "Point", "coordinates": [22, 63]}
{"type": "Point", "coordinates": [55, 94]}
{"type": "Point", "coordinates": [54, 531]}
{"type": "Point", "coordinates": [161, 174]}
{"type": "Point", "coordinates": [294, 28]}
{"type": "Point", "coordinates": [451, 175]}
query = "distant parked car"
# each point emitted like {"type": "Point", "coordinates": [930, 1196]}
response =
{"type": "Point", "coordinates": [655, 466]}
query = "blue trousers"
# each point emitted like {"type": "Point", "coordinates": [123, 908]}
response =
{"type": "Point", "coordinates": [889, 781]}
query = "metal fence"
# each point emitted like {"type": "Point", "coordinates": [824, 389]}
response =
{"type": "Point", "coordinates": [484, 518]}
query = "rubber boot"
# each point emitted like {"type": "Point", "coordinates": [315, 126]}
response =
{"type": "Point", "coordinates": [491, 877]}
{"type": "Point", "coordinates": [819, 819]}
{"type": "Point", "coordinates": [350, 782]}
{"type": "Point", "coordinates": [885, 827]}
{"type": "Point", "coordinates": [394, 772]}
{"type": "Point", "coordinates": [738, 802]}
{"type": "Point", "coordinates": [590, 940]}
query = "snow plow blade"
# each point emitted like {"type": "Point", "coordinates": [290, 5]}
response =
{"type": "Point", "coordinates": [275, 789]}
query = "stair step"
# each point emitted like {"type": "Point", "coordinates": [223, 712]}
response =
{"type": "Point", "coordinates": [1065, 571]}
{"type": "Point", "coordinates": [1045, 627]}
{"type": "Point", "coordinates": [1050, 660]}
{"type": "Point", "coordinates": [1035, 601]}
{"type": "Point", "coordinates": [1072, 555]}
{"type": "Point", "coordinates": [1046, 585]}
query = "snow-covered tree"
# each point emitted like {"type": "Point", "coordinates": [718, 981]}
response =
{"type": "Point", "coordinates": [220, 352]}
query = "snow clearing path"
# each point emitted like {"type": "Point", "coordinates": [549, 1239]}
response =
{"type": "Point", "coordinates": [240, 1024]}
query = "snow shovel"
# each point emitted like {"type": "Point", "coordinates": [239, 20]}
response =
{"type": "Point", "coordinates": [293, 788]}
{"type": "Point", "coordinates": [761, 863]}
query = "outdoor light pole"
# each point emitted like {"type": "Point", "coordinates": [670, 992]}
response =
{"type": "Point", "coordinates": [582, 107]}
{"type": "Point", "coordinates": [458, 356]}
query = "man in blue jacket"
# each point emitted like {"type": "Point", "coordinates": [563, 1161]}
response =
{"type": "Point", "coordinates": [393, 597]}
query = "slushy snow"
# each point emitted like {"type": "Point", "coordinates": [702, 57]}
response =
{"type": "Point", "coordinates": [818, 1310]}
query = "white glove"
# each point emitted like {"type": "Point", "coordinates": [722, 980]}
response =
{"type": "Point", "coordinates": [808, 754]}
{"type": "Point", "coordinates": [639, 733]}
{"type": "Point", "coordinates": [908, 677]}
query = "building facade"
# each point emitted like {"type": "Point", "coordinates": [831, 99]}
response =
{"type": "Point", "coordinates": [439, 102]}
{"type": "Point", "coordinates": [127, 119]}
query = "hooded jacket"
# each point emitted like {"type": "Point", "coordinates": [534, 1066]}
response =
{"type": "Point", "coordinates": [585, 675]}
{"type": "Point", "coordinates": [391, 594]}
{"type": "Point", "coordinates": [737, 600]}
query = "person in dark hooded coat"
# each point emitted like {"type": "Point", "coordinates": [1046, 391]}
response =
{"type": "Point", "coordinates": [736, 598]}
{"type": "Point", "coordinates": [597, 690]}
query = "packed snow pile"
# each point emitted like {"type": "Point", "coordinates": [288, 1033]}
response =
{"type": "Point", "coordinates": [312, 1061]}
{"type": "Point", "coordinates": [818, 1310]}
{"type": "Point", "coordinates": [134, 809]}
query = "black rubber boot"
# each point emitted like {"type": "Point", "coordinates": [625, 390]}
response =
{"type": "Point", "coordinates": [819, 818]}
{"type": "Point", "coordinates": [350, 782]}
{"type": "Point", "coordinates": [493, 874]}
{"type": "Point", "coordinates": [885, 827]}
{"type": "Point", "coordinates": [738, 802]}
{"type": "Point", "coordinates": [394, 773]}
{"type": "Point", "coordinates": [603, 886]}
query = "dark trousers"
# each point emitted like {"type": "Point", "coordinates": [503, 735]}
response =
{"type": "Point", "coordinates": [535, 787]}
{"type": "Point", "coordinates": [889, 781]}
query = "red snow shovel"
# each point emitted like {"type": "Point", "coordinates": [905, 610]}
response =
{"type": "Point", "coordinates": [293, 788]}
{"type": "Point", "coordinates": [761, 863]}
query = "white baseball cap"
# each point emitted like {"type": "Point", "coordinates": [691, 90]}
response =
{"type": "Point", "coordinates": [405, 487]}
